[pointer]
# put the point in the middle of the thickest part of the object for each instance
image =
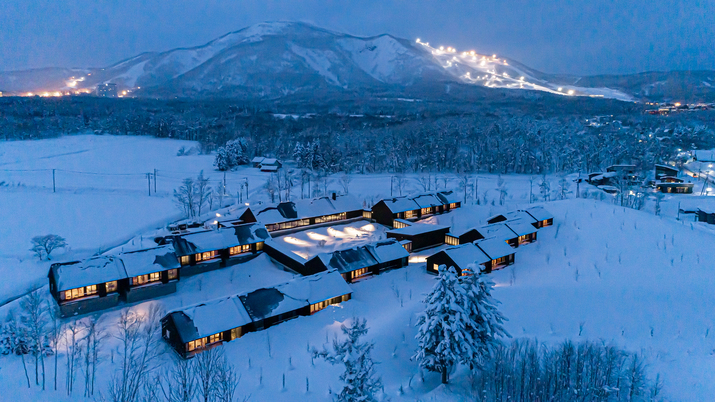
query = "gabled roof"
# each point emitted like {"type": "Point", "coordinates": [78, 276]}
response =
{"type": "Point", "coordinates": [418, 228]}
{"type": "Point", "coordinates": [295, 294]}
{"type": "Point", "coordinates": [269, 161]}
{"type": "Point", "coordinates": [363, 256]}
{"type": "Point", "coordinates": [301, 209]}
{"type": "Point", "coordinates": [427, 200]}
{"type": "Point", "coordinates": [400, 204]}
{"type": "Point", "coordinates": [520, 227]}
{"type": "Point", "coordinates": [212, 317]}
{"type": "Point", "coordinates": [448, 197]}
{"type": "Point", "coordinates": [388, 250]}
{"type": "Point", "coordinates": [92, 271]}
{"type": "Point", "coordinates": [494, 248]}
{"type": "Point", "coordinates": [257, 159]}
{"type": "Point", "coordinates": [511, 215]}
{"type": "Point", "coordinates": [499, 231]}
{"type": "Point", "coordinates": [465, 255]}
{"type": "Point", "coordinates": [539, 213]}
{"type": "Point", "coordinates": [219, 239]}
{"type": "Point", "coordinates": [144, 262]}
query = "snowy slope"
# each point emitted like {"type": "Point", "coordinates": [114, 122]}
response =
{"type": "Point", "coordinates": [276, 59]}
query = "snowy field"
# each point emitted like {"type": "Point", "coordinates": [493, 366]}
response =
{"type": "Point", "coordinates": [602, 272]}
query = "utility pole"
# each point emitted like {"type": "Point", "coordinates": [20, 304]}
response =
{"type": "Point", "coordinates": [54, 189]}
{"type": "Point", "coordinates": [246, 178]}
{"type": "Point", "coordinates": [154, 181]}
{"type": "Point", "coordinates": [148, 182]}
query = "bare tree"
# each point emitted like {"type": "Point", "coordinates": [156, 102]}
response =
{"type": "Point", "coordinates": [179, 384]}
{"type": "Point", "coordinates": [401, 182]}
{"type": "Point", "coordinates": [425, 181]}
{"type": "Point", "coordinates": [141, 347]}
{"type": "Point", "coordinates": [184, 197]}
{"type": "Point", "coordinates": [93, 344]}
{"type": "Point", "coordinates": [226, 381]}
{"type": "Point", "coordinates": [54, 335]}
{"type": "Point", "coordinates": [71, 339]}
{"type": "Point", "coordinates": [564, 187]}
{"type": "Point", "coordinates": [206, 366]}
{"type": "Point", "coordinates": [464, 185]}
{"type": "Point", "coordinates": [34, 318]}
{"type": "Point", "coordinates": [18, 341]}
{"type": "Point", "coordinates": [545, 187]}
{"type": "Point", "coordinates": [345, 182]}
{"type": "Point", "coordinates": [203, 192]}
{"type": "Point", "coordinates": [43, 246]}
{"type": "Point", "coordinates": [271, 186]}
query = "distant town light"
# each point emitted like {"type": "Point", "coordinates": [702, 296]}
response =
{"type": "Point", "coordinates": [560, 89]}
{"type": "Point", "coordinates": [571, 92]}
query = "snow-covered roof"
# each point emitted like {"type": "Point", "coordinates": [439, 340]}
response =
{"type": "Point", "coordinates": [144, 262]}
{"type": "Point", "coordinates": [494, 248]}
{"type": "Point", "coordinates": [498, 230]}
{"type": "Point", "coordinates": [301, 209]}
{"type": "Point", "coordinates": [462, 231]}
{"type": "Point", "coordinates": [295, 294]}
{"type": "Point", "coordinates": [702, 155]}
{"type": "Point", "coordinates": [427, 201]}
{"type": "Point", "coordinates": [520, 227]}
{"type": "Point", "coordinates": [539, 213]}
{"type": "Point", "coordinates": [448, 197]}
{"type": "Point", "coordinates": [91, 271]}
{"type": "Point", "coordinates": [465, 255]}
{"type": "Point", "coordinates": [389, 250]}
{"type": "Point", "coordinates": [417, 229]}
{"type": "Point", "coordinates": [219, 239]}
{"type": "Point", "coordinates": [212, 317]}
{"type": "Point", "coordinates": [400, 204]}
{"type": "Point", "coordinates": [269, 161]}
{"type": "Point", "coordinates": [257, 159]}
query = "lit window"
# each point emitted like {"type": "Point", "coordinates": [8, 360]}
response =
{"type": "Point", "coordinates": [259, 246]}
{"type": "Point", "coordinates": [173, 274]}
{"type": "Point", "coordinates": [111, 286]}
{"type": "Point", "coordinates": [185, 260]}
{"type": "Point", "coordinates": [215, 338]}
{"type": "Point", "coordinates": [236, 333]}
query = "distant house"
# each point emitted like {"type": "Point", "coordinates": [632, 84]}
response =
{"type": "Point", "coordinates": [213, 249]}
{"type": "Point", "coordinates": [499, 253]}
{"type": "Point", "coordinates": [421, 235]}
{"type": "Point", "coordinates": [704, 155]}
{"type": "Point", "coordinates": [525, 230]}
{"type": "Point", "coordinates": [501, 232]}
{"type": "Point", "coordinates": [304, 213]}
{"type": "Point", "coordinates": [414, 207]}
{"type": "Point", "coordinates": [270, 165]}
{"type": "Point", "coordinates": [80, 287]}
{"type": "Point", "coordinates": [665, 170]}
{"type": "Point", "coordinates": [196, 328]}
{"type": "Point", "coordinates": [256, 162]}
{"type": "Point", "coordinates": [543, 217]}
{"type": "Point", "coordinates": [99, 283]}
{"type": "Point", "coordinates": [467, 259]}
{"type": "Point", "coordinates": [362, 261]}
{"type": "Point", "coordinates": [675, 188]}
{"type": "Point", "coordinates": [457, 237]}
{"type": "Point", "coordinates": [108, 90]}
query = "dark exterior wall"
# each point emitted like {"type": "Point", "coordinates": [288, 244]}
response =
{"type": "Point", "coordinates": [496, 219]}
{"type": "Point", "coordinates": [470, 237]}
{"type": "Point", "coordinates": [489, 267]}
{"type": "Point", "coordinates": [313, 266]}
{"type": "Point", "coordinates": [149, 291]}
{"type": "Point", "coordinates": [171, 336]}
{"type": "Point", "coordinates": [422, 240]}
{"type": "Point", "coordinates": [441, 258]}
{"type": "Point", "coordinates": [84, 306]}
{"type": "Point", "coordinates": [382, 214]}
{"type": "Point", "coordinates": [291, 262]}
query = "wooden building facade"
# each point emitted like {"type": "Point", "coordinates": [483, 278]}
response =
{"type": "Point", "coordinates": [421, 235]}
{"type": "Point", "coordinates": [305, 213]}
{"type": "Point", "coordinates": [359, 262]}
{"type": "Point", "coordinates": [414, 207]}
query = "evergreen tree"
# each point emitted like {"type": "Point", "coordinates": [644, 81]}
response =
{"type": "Point", "coordinates": [484, 319]}
{"type": "Point", "coordinates": [231, 155]}
{"type": "Point", "coordinates": [445, 334]}
{"type": "Point", "coordinates": [361, 385]}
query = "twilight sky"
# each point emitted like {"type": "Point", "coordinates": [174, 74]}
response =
{"type": "Point", "coordinates": [556, 36]}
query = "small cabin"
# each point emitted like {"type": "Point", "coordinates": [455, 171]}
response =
{"type": "Point", "coordinates": [501, 232]}
{"type": "Point", "coordinates": [213, 249]}
{"type": "Point", "coordinates": [457, 237]}
{"type": "Point", "coordinates": [665, 170]}
{"type": "Point", "coordinates": [421, 235]}
{"type": "Point", "coordinates": [525, 230]}
{"type": "Point", "coordinates": [81, 287]}
{"type": "Point", "coordinates": [191, 330]}
{"type": "Point", "coordinates": [151, 273]}
{"type": "Point", "coordinates": [543, 217]}
{"type": "Point", "coordinates": [304, 213]}
{"type": "Point", "coordinates": [500, 254]}
{"type": "Point", "coordinates": [271, 163]}
{"type": "Point", "coordinates": [359, 262]}
{"type": "Point", "coordinates": [675, 188]}
{"type": "Point", "coordinates": [467, 259]}
{"type": "Point", "coordinates": [256, 161]}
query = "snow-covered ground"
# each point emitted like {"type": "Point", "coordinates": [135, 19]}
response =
{"type": "Point", "coordinates": [602, 272]}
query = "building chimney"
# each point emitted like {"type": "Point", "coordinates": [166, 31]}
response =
{"type": "Point", "coordinates": [335, 196]}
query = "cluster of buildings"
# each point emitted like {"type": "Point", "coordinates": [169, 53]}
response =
{"type": "Point", "coordinates": [322, 280]}
{"type": "Point", "coordinates": [668, 108]}
{"type": "Point", "coordinates": [667, 179]}
{"type": "Point", "coordinates": [270, 165]}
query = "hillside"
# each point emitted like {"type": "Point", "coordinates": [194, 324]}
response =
{"type": "Point", "coordinates": [282, 59]}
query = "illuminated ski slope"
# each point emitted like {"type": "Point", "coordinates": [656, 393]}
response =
{"type": "Point", "coordinates": [494, 72]}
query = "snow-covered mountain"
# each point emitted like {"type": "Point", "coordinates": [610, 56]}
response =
{"type": "Point", "coordinates": [272, 60]}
